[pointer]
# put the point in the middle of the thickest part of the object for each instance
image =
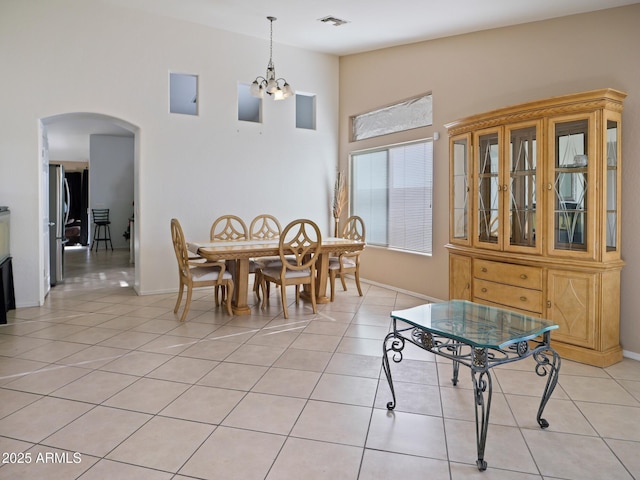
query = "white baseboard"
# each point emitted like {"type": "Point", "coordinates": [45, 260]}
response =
{"type": "Point", "coordinates": [631, 355]}
{"type": "Point", "coordinates": [400, 290]}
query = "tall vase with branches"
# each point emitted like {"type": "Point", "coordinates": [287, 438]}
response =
{"type": "Point", "coordinates": [339, 199]}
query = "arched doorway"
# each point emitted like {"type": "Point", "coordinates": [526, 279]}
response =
{"type": "Point", "coordinates": [107, 147]}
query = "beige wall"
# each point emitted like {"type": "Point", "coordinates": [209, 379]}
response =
{"type": "Point", "coordinates": [473, 73]}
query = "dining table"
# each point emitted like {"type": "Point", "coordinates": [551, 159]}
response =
{"type": "Point", "coordinates": [238, 253]}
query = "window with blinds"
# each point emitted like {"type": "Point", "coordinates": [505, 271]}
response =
{"type": "Point", "coordinates": [391, 189]}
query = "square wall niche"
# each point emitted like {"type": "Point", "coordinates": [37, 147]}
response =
{"type": "Point", "coordinates": [305, 111]}
{"type": "Point", "coordinates": [249, 107]}
{"type": "Point", "coordinates": [183, 93]}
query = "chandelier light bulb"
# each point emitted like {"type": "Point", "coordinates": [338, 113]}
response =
{"type": "Point", "coordinates": [287, 90]}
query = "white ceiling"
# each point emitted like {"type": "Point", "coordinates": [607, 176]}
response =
{"type": "Point", "coordinates": [372, 24]}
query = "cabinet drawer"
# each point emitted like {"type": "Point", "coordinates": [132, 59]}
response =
{"type": "Point", "coordinates": [518, 275]}
{"type": "Point", "coordinates": [508, 295]}
{"type": "Point", "coordinates": [512, 308]}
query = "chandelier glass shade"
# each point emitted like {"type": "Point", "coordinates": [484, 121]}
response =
{"type": "Point", "coordinates": [277, 87]}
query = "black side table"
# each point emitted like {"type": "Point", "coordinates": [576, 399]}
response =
{"type": "Point", "coordinates": [479, 337]}
{"type": "Point", "coordinates": [7, 295]}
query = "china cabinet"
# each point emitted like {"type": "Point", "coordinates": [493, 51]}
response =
{"type": "Point", "coordinates": [534, 220]}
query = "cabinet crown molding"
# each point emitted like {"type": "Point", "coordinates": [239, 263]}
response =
{"type": "Point", "coordinates": [605, 98]}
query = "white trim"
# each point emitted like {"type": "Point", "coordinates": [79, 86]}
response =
{"type": "Point", "coordinates": [631, 355]}
{"type": "Point", "coordinates": [400, 290]}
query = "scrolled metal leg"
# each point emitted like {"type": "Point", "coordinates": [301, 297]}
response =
{"type": "Point", "coordinates": [396, 345]}
{"type": "Point", "coordinates": [481, 384]}
{"type": "Point", "coordinates": [456, 365]}
{"type": "Point", "coordinates": [550, 367]}
{"type": "Point", "coordinates": [456, 369]}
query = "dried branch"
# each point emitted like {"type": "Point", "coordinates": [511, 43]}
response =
{"type": "Point", "coordinates": [339, 195]}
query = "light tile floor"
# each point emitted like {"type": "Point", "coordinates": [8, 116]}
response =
{"type": "Point", "coordinates": [102, 384]}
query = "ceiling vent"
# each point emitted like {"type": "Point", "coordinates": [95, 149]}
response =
{"type": "Point", "coordinates": [336, 21]}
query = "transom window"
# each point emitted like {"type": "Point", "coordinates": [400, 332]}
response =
{"type": "Point", "coordinates": [414, 113]}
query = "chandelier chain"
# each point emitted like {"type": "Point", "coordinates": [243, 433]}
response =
{"type": "Point", "coordinates": [271, 42]}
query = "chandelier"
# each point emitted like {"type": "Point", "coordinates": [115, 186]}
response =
{"type": "Point", "coordinates": [278, 87]}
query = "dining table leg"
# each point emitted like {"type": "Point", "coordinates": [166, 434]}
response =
{"type": "Point", "coordinates": [322, 272]}
{"type": "Point", "coordinates": [240, 271]}
{"type": "Point", "coordinates": [322, 269]}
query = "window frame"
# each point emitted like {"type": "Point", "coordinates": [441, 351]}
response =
{"type": "Point", "coordinates": [428, 211]}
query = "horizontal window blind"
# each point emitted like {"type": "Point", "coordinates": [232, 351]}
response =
{"type": "Point", "coordinates": [391, 189]}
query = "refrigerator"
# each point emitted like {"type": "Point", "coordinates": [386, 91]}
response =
{"type": "Point", "coordinates": [58, 213]}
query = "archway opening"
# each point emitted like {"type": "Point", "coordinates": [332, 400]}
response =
{"type": "Point", "coordinates": [104, 149]}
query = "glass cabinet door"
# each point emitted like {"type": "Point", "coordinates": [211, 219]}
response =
{"type": "Point", "coordinates": [522, 188]}
{"type": "Point", "coordinates": [572, 184]}
{"type": "Point", "coordinates": [612, 156]}
{"type": "Point", "coordinates": [489, 188]}
{"type": "Point", "coordinates": [459, 166]}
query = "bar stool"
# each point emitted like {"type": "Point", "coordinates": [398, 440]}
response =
{"type": "Point", "coordinates": [101, 222]}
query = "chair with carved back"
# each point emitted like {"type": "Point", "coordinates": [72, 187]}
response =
{"type": "Point", "coordinates": [298, 249]}
{"type": "Point", "coordinates": [263, 227]}
{"type": "Point", "coordinates": [228, 228]}
{"type": "Point", "coordinates": [347, 262]}
{"type": "Point", "coordinates": [193, 273]}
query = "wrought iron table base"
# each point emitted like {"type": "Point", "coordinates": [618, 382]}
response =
{"type": "Point", "coordinates": [480, 361]}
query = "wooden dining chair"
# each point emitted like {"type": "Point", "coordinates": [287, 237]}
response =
{"type": "Point", "coordinates": [347, 262]}
{"type": "Point", "coordinates": [228, 228]}
{"type": "Point", "coordinates": [298, 249]}
{"type": "Point", "coordinates": [263, 227]}
{"type": "Point", "coordinates": [196, 273]}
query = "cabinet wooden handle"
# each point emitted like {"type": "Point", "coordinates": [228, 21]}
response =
{"type": "Point", "coordinates": [524, 276]}
{"type": "Point", "coordinates": [523, 298]}
{"type": "Point", "coordinates": [468, 286]}
{"type": "Point", "coordinates": [549, 187]}
{"type": "Point", "coordinates": [504, 187]}
{"type": "Point", "coordinates": [483, 269]}
{"type": "Point", "coordinates": [548, 303]}
{"type": "Point", "coordinates": [484, 290]}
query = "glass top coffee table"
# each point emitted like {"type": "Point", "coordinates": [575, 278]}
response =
{"type": "Point", "coordinates": [479, 337]}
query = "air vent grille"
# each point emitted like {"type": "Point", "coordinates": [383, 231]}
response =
{"type": "Point", "coordinates": [331, 19]}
